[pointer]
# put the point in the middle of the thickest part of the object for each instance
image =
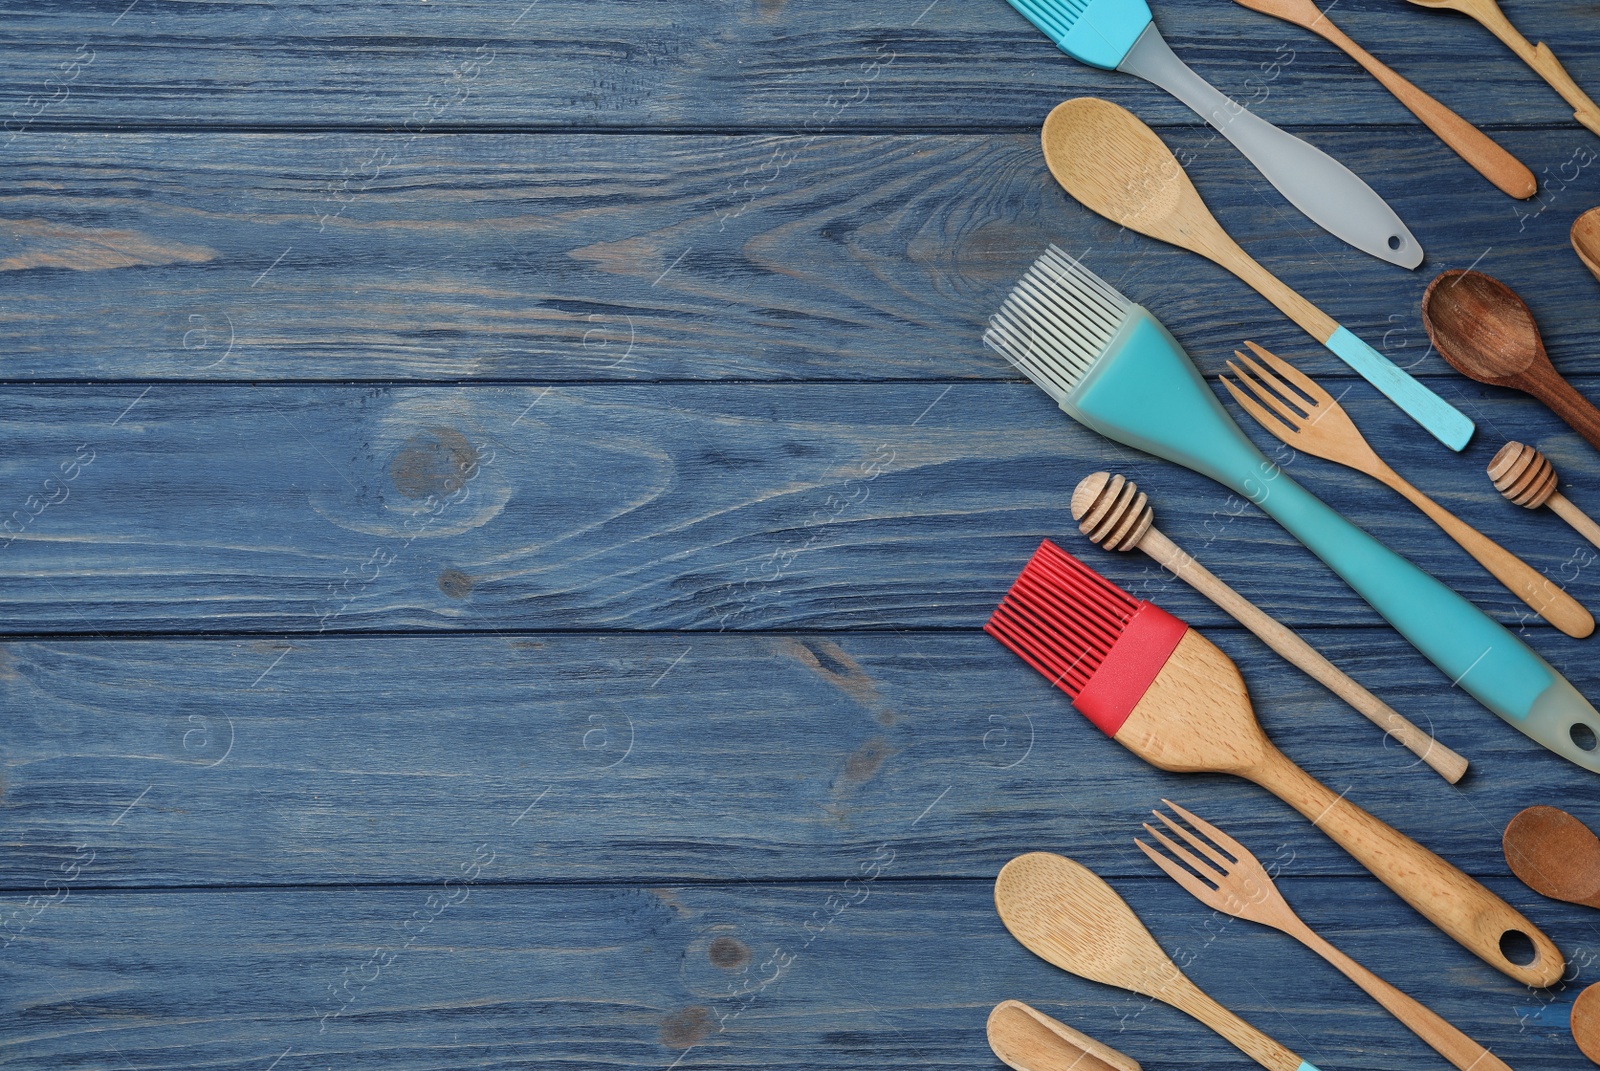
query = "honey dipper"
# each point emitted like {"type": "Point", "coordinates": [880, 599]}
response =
{"type": "Point", "coordinates": [1115, 514]}
{"type": "Point", "coordinates": [1525, 477]}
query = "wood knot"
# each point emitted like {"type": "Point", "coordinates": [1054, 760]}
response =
{"type": "Point", "coordinates": [1523, 475]}
{"type": "Point", "coordinates": [1111, 511]}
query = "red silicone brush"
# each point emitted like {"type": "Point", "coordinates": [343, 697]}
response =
{"type": "Point", "coordinates": [1170, 696]}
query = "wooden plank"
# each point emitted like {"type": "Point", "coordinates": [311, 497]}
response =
{"type": "Point", "coordinates": [673, 757]}
{"type": "Point", "coordinates": [696, 977]}
{"type": "Point", "coordinates": [708, 507]}
{"type": "Point", "coordinates": [756, 64]}
{"type": "Point", "coordinates": [582, 258]}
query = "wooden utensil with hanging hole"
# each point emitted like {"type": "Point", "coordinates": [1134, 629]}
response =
{"type": "Point", "coordinates": [1510, 175]}
{"type": "Point", "coordinates": [1066, 915]}
{"type": "Point", "coordinates": [1027, 1039]}
{"type": "Point", "coordinates": [1240, 886]}
{"type": "Point", "coordinates": [1312, 421]}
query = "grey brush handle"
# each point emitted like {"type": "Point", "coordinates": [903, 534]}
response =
{"type": "Point", "coordinates": [1328, 193]}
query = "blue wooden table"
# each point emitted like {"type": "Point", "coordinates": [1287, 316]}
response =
{"type": "Point", "coordinates": [505, 496]}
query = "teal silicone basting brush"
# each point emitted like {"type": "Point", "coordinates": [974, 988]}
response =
{"type": "Point", "coordinates": [1111, 366]}
{"type": "Point", "coordinates": [1121, 35]}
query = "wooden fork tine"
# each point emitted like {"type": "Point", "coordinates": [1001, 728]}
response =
{"type": "Point", "coordinates": [1279, 387]}
{"type": "Point", "coordinates": [1195, 862]}
{"type": "Point", "coordinates": [1239, 852]}
{"type": "Point", "coordinates": [1191, 884]}
{"type": "Point", "coordinates": [1266, 395]}
{"type": "Point", "coordinates": [1308, 386]}
{"type": "Point", "coordinates": [1264, 418]}
{"type": "Point", "coordinates": [1210, 853]}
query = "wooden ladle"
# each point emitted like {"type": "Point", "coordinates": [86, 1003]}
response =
{"type": "Point", "coordinates": [1027, 1039]}
{"type": "Point", "coordinates": [1480, 325]}
{"type": "Point", "coordinates": [1555, 855]}
{"type": "Point", "coordinates": [1586, 240]}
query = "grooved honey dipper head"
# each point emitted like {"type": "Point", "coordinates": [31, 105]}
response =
{"type": "Point", "coordinates": [1111, 511]}
{"type": "Point", "coordinates": [1523, 475]}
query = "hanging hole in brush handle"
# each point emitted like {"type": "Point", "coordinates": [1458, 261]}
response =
{"type": "Point", "coordinates": [1583, 736]}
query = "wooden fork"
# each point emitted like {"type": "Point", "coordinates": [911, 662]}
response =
{"type": "Point", "coordinates": [1316, 424]}
{"type": "Point", "coordinates": [1240, 886]}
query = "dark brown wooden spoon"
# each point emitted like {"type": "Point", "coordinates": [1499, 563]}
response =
{"type": "Point", "coordinates": [1483, 329]}
{"type": "Point", "coordinates": [1555, 855]}
{"type": "Point", "coordinates": [1586, 1022]}
{"type": "Point", "coordinates": [1586, 240]}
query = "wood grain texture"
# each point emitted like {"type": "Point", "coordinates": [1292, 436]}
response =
{"type": "Point", "coordinates": [342, 760]}
{"type": "Point", "coordinates": [569, 974]}
{"type": "Point", "coordinates": [643, 258]}
{"type": "Point", "coordinates": [759, 63]}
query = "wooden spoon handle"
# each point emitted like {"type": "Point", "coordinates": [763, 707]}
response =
{"type": "Point", "coordinates": [1187, 997]}
{"type": "Point", "coordinates": [1523, 580]}
{"type": "Point", "coordinates": [1485, 155]}
{"type": "Point", "coordinates": [1427, 1024]}
{"type": "Point", "coordinates": [1553, 390]}
{"type": "Point", "coordinates": [1459, 906]}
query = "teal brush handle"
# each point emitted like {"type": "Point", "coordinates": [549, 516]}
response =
{"type": "Point", "coordinates": [1444, 421]}
{"type": "Point", "coordinates": [1145, 392]}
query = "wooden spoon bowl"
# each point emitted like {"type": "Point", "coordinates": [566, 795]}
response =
{"type": "Point", "coordinates": [1586, 1022]}
{"type": "Point", "coordinates": [1485, 331]}
{"type": "Point", "coordinates": [1555, 855]}
{"type": "Point", "coordinates": [1586, 240]}
{"type": "Point", "coordinates": [1027, 1039]}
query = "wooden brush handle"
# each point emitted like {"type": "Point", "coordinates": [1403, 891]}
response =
{"type": "Point", "coordinates": [1427, 1024]}
{"type": "Point", "coordinates": [1510, 175]}
{"type": "Point", "coordinates": [1523, 580]}
{"type": "Point", "coordinates": [1550, 388]}
{"type": "Point", "coordinates": [1290, 646]}
{"type": "Point", "coordinates": [1191, 999]}
{"type": "Point", "coordinates": [1459, 906]}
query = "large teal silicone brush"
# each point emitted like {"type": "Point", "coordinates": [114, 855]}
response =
{"type": "Point", "coordinates": [1120, 35]}
{"type": "Point", "coordinates": [1112, 367]}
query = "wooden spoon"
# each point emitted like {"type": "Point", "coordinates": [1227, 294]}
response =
{"type": "Point", "coordinates": [1539, 57]}
{"type": "Point", "coordinates": [1486, 156]}
{"type": "Point", "coordinates": [1555, 855]}
{"type": "Point", "coordinates": [1483, 329]}
{"type": "Point", "coordinates": [1586, 240]}
{"type": "Point", "coordinates": [1586, 1022]}
{"type": "Point", "coordinates": [1029, 1040]}
{"type": "Point", "coordinates": [1063, 913]}
{"type": "Point", "coordinates": [1104, 156]}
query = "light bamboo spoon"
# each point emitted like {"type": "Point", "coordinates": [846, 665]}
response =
{"type": "Point", "coordinates": [1316, 423]}
{"type": "Point", "coordinates": [1114, 513]}
{"type": "Point", "coordinates": [1538, 56]}
{"type": "Point", "coordinates": [1027, 1039]}
{"type": "Point", "coordinates": [1485, 155]}
{"type": "Point", "coordinates": [1526, 478]}
{"type": "Point", "coordinates": [1063, 913]}
{"type": "Point", "coordinates": [1240, 886]}
{"type": "Point", "coordinates": [1116, 166]}
{"type": "Point", "coordinates": [1586, 240]}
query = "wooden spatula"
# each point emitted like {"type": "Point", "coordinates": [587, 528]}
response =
{"type": "Point", "coordinates": [1066, 915]}
{"type": "Point", "coordinates": [1508, 173]}
{"type": "Point", "coordinates": [1027, 1039]}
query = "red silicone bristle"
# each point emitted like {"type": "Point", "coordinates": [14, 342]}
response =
{"type": "Point", "coordinates": [1061, 617]}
